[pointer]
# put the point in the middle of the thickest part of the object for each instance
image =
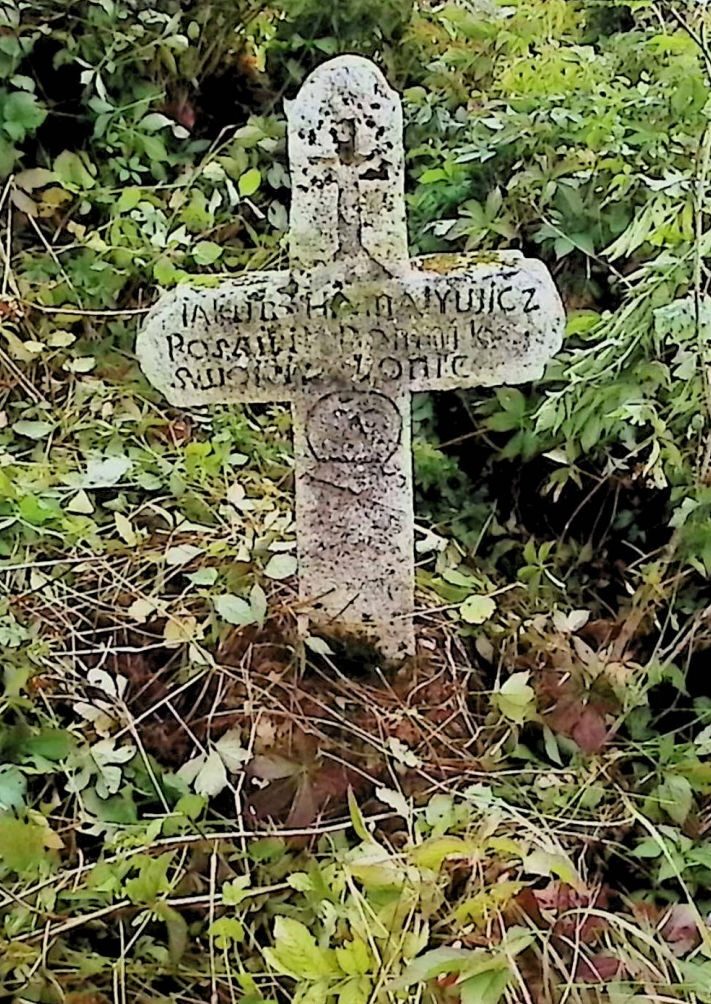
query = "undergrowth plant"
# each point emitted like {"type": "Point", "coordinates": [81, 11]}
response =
{"type": "Point", "coordinates": [195, 803]}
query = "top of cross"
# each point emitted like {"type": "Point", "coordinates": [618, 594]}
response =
{"type": "Point", "coordinates": [347, 168]}
{"type": "Point", "coordinates": [352, 306]}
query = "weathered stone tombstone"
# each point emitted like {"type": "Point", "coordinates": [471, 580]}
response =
{"type": "Point", "coordinates": [346, 335]}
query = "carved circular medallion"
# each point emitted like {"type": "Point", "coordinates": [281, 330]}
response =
{"type": "Point", "coordinates": [354, 427]}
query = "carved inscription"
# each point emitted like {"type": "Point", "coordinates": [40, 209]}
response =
{"type": "Point", "coordinates": [424, 333]}
{"type": "Point", "coordinates": [469, 300]}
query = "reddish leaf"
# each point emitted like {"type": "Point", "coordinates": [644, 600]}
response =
{"type": "Point", "coordinates": [681, 930]}
{"type": "Point", "coordinates": [565, 716]}
{"type": "Point", "coordinates": [182, 111]}
{"type": "Point", "coordinates": [527, 903]}
{"type": "Point", "coordinates": [274, 801]}
{"type": "Point", "coordinates": [590, 732]}
{"type": "Point", "coordinates": [598, 969]}
{"type": "Point", "coordinates": [305, 808]}
{"type": "Point", "coordinates": [566, 911]}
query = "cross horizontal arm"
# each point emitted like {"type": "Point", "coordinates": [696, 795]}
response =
{"type": "Point", "coordinates": [229, 344]}
{"type": "Point", "coordinates": [449, 321]}
{"type": "Point", "coordinates": [490, 319]}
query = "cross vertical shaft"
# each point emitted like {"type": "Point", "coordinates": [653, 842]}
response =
{"type": "Point", "coordinates": [354, 511]}
{"type": "Point", "coordinates": [352, 444]}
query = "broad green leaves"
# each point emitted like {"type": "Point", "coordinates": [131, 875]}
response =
{"type": "Point", "coordinates": [125, 524]}
{"type": "Point", "coordinates": [33, 429]}
{"type": "Point", "coordinates": [13, 786]}
{"type": "Point", "coordinates": [206, 252]}
{"type": "Point", "coordinates": [281, 566]}
{"type": "Point", "coordinates": [249, 182]}
{"type": "Point", "coordinates": [516, 698]}
{"type": "Point", "coordinates": [296, 953]}
{"type": "Point", "coordinates": [233, 609]}
{"type": "Point", "coordinates": [481, 977]}
{"type": "Point", "coordinates": [319, 971]}
{"type": "Point", "coordinates": [75, 171]}
{"type": "Point", "coordinates": [151, 881]}
{"type": "Point", "coordinates": [208, 772]}
{"type": "Point", "coordinates": [239, 612]}
{"type": "Point", "coordinates": [20, 113]}
{"type": "Point", "coordinates": [26, 844]}
{"type": "Point", "coordinates": [477, 609]}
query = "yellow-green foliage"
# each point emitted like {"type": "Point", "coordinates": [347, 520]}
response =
{"type": "Point", "coordinates": [533, 814]}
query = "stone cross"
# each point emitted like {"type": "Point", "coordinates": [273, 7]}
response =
{"type": "Point", "coordinates": [346, 334]}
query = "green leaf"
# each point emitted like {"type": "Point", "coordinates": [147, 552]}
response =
{"type": "Point", "coordinates": [456, 577]}
{"type": "Point", "coordinates": [512, 400]}
{"type": "Point", "coordinates": [80, 364]}
{"type": "Point", "coordinates": [689, 95]}
{"type": "Point", "coordinates": [191, 805]}
{"type": "Point", "coordinates": [433, 852]}
{"type": "Point", "coordinates": [211, 778]}
{"type": "Point", "coordinates": [648, 848]}
{"type": "Point", "coordinates": [318, 645]}
{"type": "Point", "coordinates": [165, 272]}
{"type": "Point", "coordinates": [22, 113]}
{"type": "Point", "coordinates": [357, 990]}
{"type": "Point", "coordinates": [432, 175]}
{"type": "Point", "coordinates": [51, 744]}
{"type": "Point", "coordinates": [281, 566]}
{"type": "Point", "coordinates": [357, 818]}
{"type": "Point", "coordinates": [154, 121]}
{"type": "Point", "coordinates": [258, 603]}
{"type": "Point", "coordinates": [354, 958]}
{"type": "Point", "coordinates": [676, 797]}
{"type": "Point", "coordinates": [154, 149]}
{"type": "Point", "coordinates": [236, 891]}
{"type": "Point", "coordinates": [74, 171]}
{"type": "Point", "coordinates": [181, 554]}
{"type": "Point", "coordinates": [234, 609]}
{"type": "Point", "coordinates": [21, 844]}
{"type": "Point", "coordinates": [81, 504]}
{"type": "Point", "coordinates": [33, 429]}
{"type": "Point", "coordinates": [12, 788]}
{"type": "Point", "coordinates": [303, 883]}
{"type": "Point", "coordinates": [477, 609]}
{"type": "Point", "coordinates": [486, 988]}
{"type": "Point", "coordinates": [204, 577]}
{"type": "Point", "coordinates": [151, 881]}
{"type": "Point", "coordinates": [551, 864]}
{"type": "Point", "coordinates": [438, 962]}
{"type": "Point", "coordinates": [177, 930]}
{"type": "Point", "coordinates": [129, 199]}
{"type": "Point", "coordinates": [249, 182]}
{"type": "Point", "coordinates": [551, 745]}
{"type": "Point", "coordinates": [206, 252]}
{"type": "Point", "coordinates": [515, 699]}
{"type": "Point", "coordinates": [227, 931]}
{"type": "Point", "coordinates": [231, 750]}
{"type": "Point", "coordinates": [8, 157]}
{"type": "Point", "coordinates": [296, 953]}
{"type": "Point", "coordinates": [103, 472]}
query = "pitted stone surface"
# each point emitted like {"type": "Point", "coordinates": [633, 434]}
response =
{"type": "Point", "coordinates": [346, 334]}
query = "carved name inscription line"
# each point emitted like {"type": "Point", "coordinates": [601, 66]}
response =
{"type": "Point", "coordinates": [505, 299]}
